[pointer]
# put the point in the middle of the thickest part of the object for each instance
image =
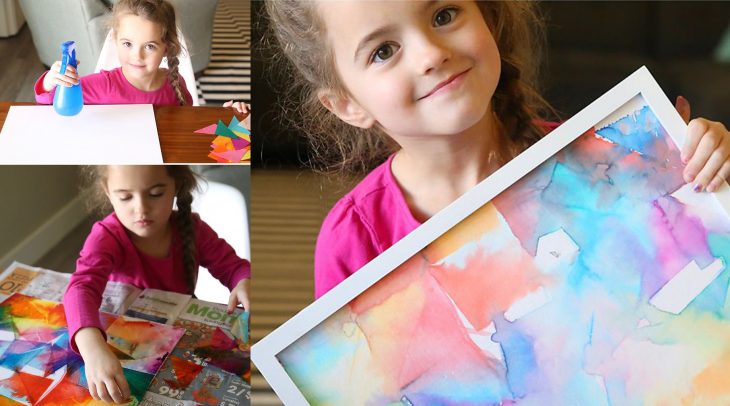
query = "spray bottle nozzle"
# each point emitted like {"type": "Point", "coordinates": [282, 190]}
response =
{"type": "Point", "coordinates": [68, 55]}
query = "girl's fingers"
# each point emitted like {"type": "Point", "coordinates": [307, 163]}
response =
{"type": "Point", "coordinates": [243, 299]}
{"type": "Point", "coordinates": [101, 390]}
{"type": "Point", "coordinates": [683, 108]}
{"type": "Point", "coordinates": [92, 391]}
{"type": "Point", "coordinates": [706, 146]}
{"type": "Point", "coordinates": [696, 129]}
{"type": "Point", "coordinates": [232, 302]}
{"type": "Point", "coordinates": [711, 169]}
{"type": "Point", "coordinates": [721, 176]}
{"type": "Point", "coordinates": [228, 103]}
{"type": "Point", "coordinates": [114, 391]}
{"type": "Point", "coordinates": [123, 386]}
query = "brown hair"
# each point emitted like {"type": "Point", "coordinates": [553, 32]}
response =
{"type": "Point", "coordinates": [297, 32]}
{"type": "Point", "coordinates": [95, 178]}
{"type": "Point", "coordinates": [162, 13]}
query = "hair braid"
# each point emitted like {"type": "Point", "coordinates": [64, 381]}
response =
{"type": "Point", "coordinates": [187, 233]}
{"type": "Point", "coordinates": [173, 73]}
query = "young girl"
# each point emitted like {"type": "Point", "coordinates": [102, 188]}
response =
{"type": "Point", "coordinates": [147, 244]}
{"type": "Point", "coordinates": [444, 90]}
{"type": "Point", "coordinates": [144, 32]}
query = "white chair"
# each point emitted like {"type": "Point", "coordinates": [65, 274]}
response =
{"type": "Point", "coordinates": [108, 60]}
{"type": "Point", "coordinates": [224, 209]}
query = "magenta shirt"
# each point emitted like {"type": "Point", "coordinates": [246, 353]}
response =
{"type": "Point", "coordinates": [364, 223]}
{"type": "Point", "coordinates": [109, 255]}
{"type": "Point", "coordinates": [111, 87]}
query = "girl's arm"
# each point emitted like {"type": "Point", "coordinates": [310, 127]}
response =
{"type": "Point", "coordinates": [215, 254]}
{"type": "Point", "coordinates": [82, 302]}
{"type": "Point", "coordinates": [104, 372]}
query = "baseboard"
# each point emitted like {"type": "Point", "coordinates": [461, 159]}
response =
{"type": "Point", "coordinates": [49, 234]}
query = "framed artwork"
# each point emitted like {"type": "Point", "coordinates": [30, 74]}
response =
{"type": "Point", "coordinates": [585, 271]}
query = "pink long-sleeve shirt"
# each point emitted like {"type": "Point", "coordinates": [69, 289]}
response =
{"type": "Point", "coordinates": [111, 87]}
{"type": "Point", "coordinates": [365, 222]}
{"type": "Point", "coordinates": [109, 255]}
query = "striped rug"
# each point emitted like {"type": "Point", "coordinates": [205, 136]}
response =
{"type": "Point", "coordinates": [228, 75]}
{"type": "Point", "coordinates": [287, 209]}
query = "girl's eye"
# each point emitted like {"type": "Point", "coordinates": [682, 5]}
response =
{"type": "Point", "coordinates": [125, 198]}
{"type": "Point", "coordinates": [150, 47]}
{"type": "Point", "coordinates": [444, 16]}
{"type": "Point", "coordinates": [126, 44]}
{"type": "Point", "coordinates": [383, 53]}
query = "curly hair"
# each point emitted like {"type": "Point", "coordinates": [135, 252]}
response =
{"type": "Point", "coordinates": [94, 179]}
{"type": "Point", "coordinates": [162, 13]}
{"type": "Point", "coordinates": [295, 37]}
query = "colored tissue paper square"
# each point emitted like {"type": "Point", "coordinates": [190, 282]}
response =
{"type": "Point", "coordinates": [232, 143]}
{"type": "Point", "coordinates": [38, 367]}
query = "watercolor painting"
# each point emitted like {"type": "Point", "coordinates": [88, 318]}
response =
{"type": "Point", "coordinates": [599, 278]}
{"type": "Point", "coordinates": [38, 367]}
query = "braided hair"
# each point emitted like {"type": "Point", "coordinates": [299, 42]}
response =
{"type": "Point", "coordinates": [186, 182]}
{"type": "Point", "coordinates": [162, 13]}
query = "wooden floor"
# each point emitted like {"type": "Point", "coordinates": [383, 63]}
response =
{"type": "Point", "coordinates": [20, 67]}
{"type": "Point", "coordinates": [287, 209]}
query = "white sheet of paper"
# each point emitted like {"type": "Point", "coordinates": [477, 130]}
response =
{"type": "Point", "coordinates": [101, 134]}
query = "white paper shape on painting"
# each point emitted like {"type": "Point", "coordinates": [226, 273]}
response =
{"type": "Point", "coordinates": [100, 134]}
{"type": "Point", "coordinates": [556, 256]}
{"type": "Point", "coordinates": [685, 286]}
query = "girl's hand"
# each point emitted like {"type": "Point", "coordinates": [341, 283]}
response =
{"type": "Point", "coordinates": [54, 77]}
{"type": "Point", "coordinates": [706, 151]}
{"type": "Point", "coordinates": [239, 294]}
{"type": "Point", "coordinates": [240, 107]}
{"type": "Point", "coordinates": [103, 370]}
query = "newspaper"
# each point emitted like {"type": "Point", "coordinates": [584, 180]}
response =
{"type": "Point", "coordinates": [118, 297]}
{"type": "Point", "coordinates": [181, 383]}
{"type": "Point", "coordinates": [158, 305]}
{"type": "Point", "coordinates": [33, 281]}
{"type": "Point", "coordinates": [51, 285]}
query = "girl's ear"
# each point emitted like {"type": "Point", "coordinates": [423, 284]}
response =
{"type": "Point", "coordinates": [346, 109]}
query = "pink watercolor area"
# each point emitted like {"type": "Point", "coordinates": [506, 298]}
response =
{"type": "Point", "coordinates": [439, 346]}
{"type": "Point", "coordinates": [679, 237]}
{"type": "Point", "coordinates": [489, 283]}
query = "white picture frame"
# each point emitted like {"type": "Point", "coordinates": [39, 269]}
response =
{"type": "Point", "coordinates": [264, 353]}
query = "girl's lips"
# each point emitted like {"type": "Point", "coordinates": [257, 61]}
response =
{"type": "Point", "coordinates": [450, 82]}
{"type": "Point", "coordinates": [144, 223]}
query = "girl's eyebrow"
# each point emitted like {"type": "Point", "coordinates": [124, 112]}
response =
{"type": "Point", "coordinates": [149, 188]}
{"type": "Point", "coordinates": [148, 42]}
{"type": "Point", "coordinates": [425, 5]}
{"type": "Point", "coordinates": [371, 37]}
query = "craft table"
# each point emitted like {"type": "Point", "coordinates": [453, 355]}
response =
{"type": "Point", "coordinates": [175, 128]}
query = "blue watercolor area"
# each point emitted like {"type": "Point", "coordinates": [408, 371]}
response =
{"type": "Point", "coordinates": [21, 353]}
{"type": "Point", "coordinates": [642, 134]}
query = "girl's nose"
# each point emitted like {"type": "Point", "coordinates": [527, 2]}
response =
{"type": "Point", "coordinates": [432, 53]}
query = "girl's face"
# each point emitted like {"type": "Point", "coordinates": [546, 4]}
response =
{"type": "Point", "coordinates": [415, 67]}
{"type": "Point", "coordinates": [139, 46]}
{"type": "Point", "coordinates": [142, 198]}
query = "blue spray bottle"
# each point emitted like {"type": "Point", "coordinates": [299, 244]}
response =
{"type": "Point", "coordinates": [68, 101]}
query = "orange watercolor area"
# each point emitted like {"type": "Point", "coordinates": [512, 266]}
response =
{"type": "Point", "coordinates": [482, 221]}
{"type": "Point", "coordinates": [50, 313]}
{"type": "Point", "coordinates": [8, 402]}
{"type": "Point", "coordinates": [489, 283]}
{"type": "Point", "coordinates": [396, 281]}
{"type": "Point", "coordinates": [712, 385]}
{"type": "Point", "coordinates": [416, 333]}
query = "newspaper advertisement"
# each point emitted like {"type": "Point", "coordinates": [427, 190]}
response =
{"type": "Point", "coordinates": [158, 305]}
